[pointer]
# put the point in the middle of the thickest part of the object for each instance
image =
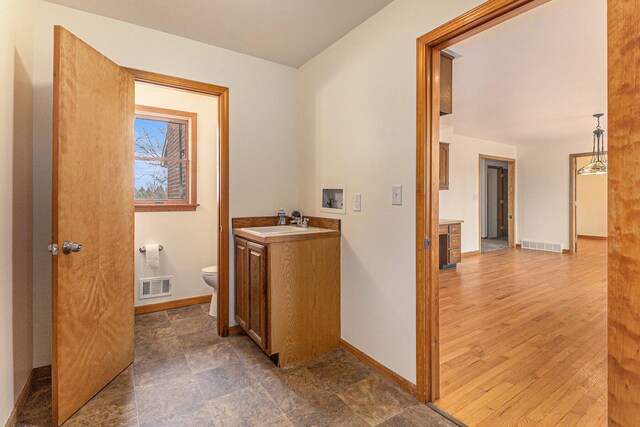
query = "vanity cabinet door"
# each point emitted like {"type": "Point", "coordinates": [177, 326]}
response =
{"type": "Point", "coordinates": [257, 279]}
{"type": "Point", "coordinates": [242, 283]}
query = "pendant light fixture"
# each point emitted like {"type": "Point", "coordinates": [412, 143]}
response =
{"type": "Point", "coordinates": [598, 163]}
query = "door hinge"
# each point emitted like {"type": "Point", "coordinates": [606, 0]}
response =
{"type": "Point", "coordinates": [53, 248]}
{"type": "Point", "coordinates": [427, 243]}
{"type": "Point", "coordinates": [221, 228]}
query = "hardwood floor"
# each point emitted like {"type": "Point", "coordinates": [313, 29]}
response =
{"type": "Point", "coordinates": [523, 338]}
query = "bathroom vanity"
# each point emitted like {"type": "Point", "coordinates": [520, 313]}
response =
{"type": "Point", "coordinates": [287, 286]}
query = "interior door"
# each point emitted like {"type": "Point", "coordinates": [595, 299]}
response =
{"type": "Point", "coordinates": [511, 203]}
{"type": "Point", "coordinates": [93, 208]}
{"type": "Point", "coordinates": [501, 202]}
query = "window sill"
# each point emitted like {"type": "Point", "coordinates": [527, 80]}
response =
{"type": "Point", "coordinates": [166, 208]}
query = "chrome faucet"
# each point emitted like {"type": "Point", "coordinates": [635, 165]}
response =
{"type": "Point", "coordinates": [298, 220]}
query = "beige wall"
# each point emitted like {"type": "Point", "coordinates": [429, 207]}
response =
{"type": "Point", "coordinates": [543, 189]}
{"type": "Point", "coordinates": [189, 239]}
{"type": "Point", "coordinates": [357, 127]}
{"type": "Point", "coordinates": [464, 198]}
{"type": "Point", "coordinates": [591, 197]}
{"type": "Point", "coordinates": [263, 124]}
{"type": "Point", "coordinates": [16, 51]}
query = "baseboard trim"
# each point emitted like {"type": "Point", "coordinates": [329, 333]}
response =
{"type": "Point", "coordinates": [22, 398]}
{"type": "Point", "coordinates": [36, 374]}
{"type": "Point", "coordinates": [42, 373]}
{"type": "Point", "coordinates": [235, 330]}
{"type": "Point", "coordinates": [167, 305]}
{"type": "Point", "coordinates": [586, 237]}
{"type": "Point", "coordinates": [404, 383]}
{"type": "Point", "coordinates": [470, 254]}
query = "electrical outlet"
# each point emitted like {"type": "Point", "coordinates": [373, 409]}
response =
{"type": "Point", "coordinates": [357, 203]}
{"type": "Point", "coordinates": [396, 195]}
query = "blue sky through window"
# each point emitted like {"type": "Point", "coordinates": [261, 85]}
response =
{"type": "Point", "coordinates": [150, 138]}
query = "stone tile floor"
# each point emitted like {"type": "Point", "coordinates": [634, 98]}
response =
{"type": "Point", "coordinates": [185, 375]}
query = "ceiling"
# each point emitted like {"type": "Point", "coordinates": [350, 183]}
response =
{"type": "Point", "coordinates": [538, 77]}
{"type": "Point", "coordinates": [289, 32]}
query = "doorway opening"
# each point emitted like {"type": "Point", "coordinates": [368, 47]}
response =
{"type": "Point", "coordinates": [497, 203]}
{"type": "Point", "coordinates": [94, 337]}
{"type": "Point", "coordinates": [524, 269]}
{"type": "Point", "coordinates": [587, 204]}
{"type": "Point", "coordinates": [213, 100]}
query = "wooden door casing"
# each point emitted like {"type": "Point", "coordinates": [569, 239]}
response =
{"type": "Point", "coordinates": [242, 283]}
{"type": "Point", "coordinates": [257, 280]}
{"type": "Point", "coordinates": [92, 290]}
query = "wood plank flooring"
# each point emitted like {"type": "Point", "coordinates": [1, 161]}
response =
{"type": "Point", "coordinates": [523, 338]}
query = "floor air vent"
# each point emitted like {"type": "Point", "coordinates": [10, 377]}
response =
{"type": "Point", "coordinates": [153, 287]}
{"type": "Point", "coordinates": [542, 246]}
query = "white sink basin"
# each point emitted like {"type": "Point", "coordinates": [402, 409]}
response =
{"type": "Point", "coordinates": [281, 230]}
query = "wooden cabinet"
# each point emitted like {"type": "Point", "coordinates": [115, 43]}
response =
{"type": "Point", "coordinates": [257, 275]}
{"type": "Point", "coordinates": [450, 239]}
{"type": "Point", "coordinates": [242, 283]}
{"type": "Point", "coordinates": [444, 166]}
{"type": "Point", "coordinates": [446, 84]}
{"type": "Point", "coordinates": [288, 292]}
{"type": "Point", "coordinates": [251, 290]}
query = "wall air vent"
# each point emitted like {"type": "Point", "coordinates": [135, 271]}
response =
{"type": "Point", "coordinates": [542, 246]}
{"type": "Point", "coordinates": [153, 287]}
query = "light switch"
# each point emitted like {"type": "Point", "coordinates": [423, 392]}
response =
{"type": "Point", "coordinates": [357, 203]}
{"type": "Point", "coordinates": [396, 195]}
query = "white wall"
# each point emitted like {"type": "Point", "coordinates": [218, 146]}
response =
{"type": "Point", "coordinates": [263, 124]}
{"type": "Point", "coordinates": [591, 198]}
{"type": "Point", "coordinates": [189, 239]}
{"type": "Point", "coordinates": [357, 127]}
{"type": "Point", "coordinates": [542, 189]}
{"type": "Point", "coordinates": [16, 51]}
{"type": "Point", "coordinates": [463, 199]}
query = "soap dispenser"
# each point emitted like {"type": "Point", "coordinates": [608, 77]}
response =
{"type": "Point", "coordinates": [282, 217]}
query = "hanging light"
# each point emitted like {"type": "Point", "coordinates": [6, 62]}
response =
{"type": "Point", "coordinates": [598, 163]}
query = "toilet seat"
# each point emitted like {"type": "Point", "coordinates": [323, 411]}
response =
{"type": "Point", "coordinates": [210, 271]}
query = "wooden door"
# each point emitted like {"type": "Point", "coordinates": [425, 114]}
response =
{"type": "Point", "coordinates": [500, 202]}
{"type": "Point", "coordinates": [511, 203]}
{"type": "Point", "coordinates": [257, 325]}
{"type": "Point", "coordinates": [503, 202]}
{"type": "Point", "coordinates": [93, 294]}
{"type": "Point", "coordinates": [242, 284]}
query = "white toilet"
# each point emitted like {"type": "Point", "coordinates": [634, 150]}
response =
{"type": "Point", "coordinates": [210, 277]}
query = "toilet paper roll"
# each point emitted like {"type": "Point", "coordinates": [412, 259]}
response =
{"type": "Point", "coordinates": [152, 255]}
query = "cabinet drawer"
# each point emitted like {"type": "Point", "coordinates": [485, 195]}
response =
{"type": "Point", "coordinates": [454, 256]}
{"type": "Point", "coordinates": [443, 229]}
{"type": "Point", "coordinates": [454, 241]}
{"type": "Point", "coordinates": [454, 229]}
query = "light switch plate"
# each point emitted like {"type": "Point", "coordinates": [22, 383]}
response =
{"type": "Point", "coordinates": [396, 195]}
{"type": "Point", "coordinates": [357, 203]}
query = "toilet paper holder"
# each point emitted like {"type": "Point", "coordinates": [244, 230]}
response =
{"type": "Point", "coordinates": [143, 249]}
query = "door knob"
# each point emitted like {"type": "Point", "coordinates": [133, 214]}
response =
{"type": "Point", "coordinates": [68, 247]}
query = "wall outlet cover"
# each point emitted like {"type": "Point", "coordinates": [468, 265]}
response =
{"type": "Point", "coordinates": [357, 203]}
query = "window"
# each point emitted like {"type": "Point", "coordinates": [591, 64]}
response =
{"type": "Point", "coordinates": [165, 159]}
